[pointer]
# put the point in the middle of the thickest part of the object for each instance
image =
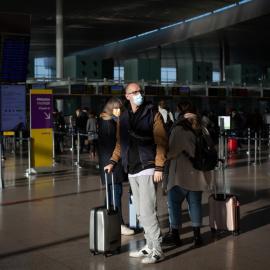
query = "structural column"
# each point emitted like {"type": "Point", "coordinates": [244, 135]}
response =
{"type": "Point", "coordinates": [59, 39]}
{"type": "Point", "coordinates": [224, 54]}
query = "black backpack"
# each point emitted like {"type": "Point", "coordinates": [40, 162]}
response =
{"type": "Point", "coordinates": [206, 156]}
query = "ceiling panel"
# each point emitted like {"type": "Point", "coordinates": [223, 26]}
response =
{"type": "Point", "coordinates": [89, 24]}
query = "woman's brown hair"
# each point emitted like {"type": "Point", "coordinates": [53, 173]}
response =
{"type": "Point", "coordinates": [194, 122]}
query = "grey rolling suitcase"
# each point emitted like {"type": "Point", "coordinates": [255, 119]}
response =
{"type": "Point", "coordinates": [105, 227]}
{"type": "Point", "coordinates": [224, 210]}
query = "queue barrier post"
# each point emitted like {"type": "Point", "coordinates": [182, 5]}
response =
{"type": "Point", "coordinates": [2, 185]}
{"type": "Point", "coordinates": [78, 149]}
{"type": "Point", "coordinates": [260, 147]}
{"type": "Point", "coordinates": [255, 150]}
{"type": "Point", "coordinates": [248, 151]}
{"type": "Point", "coordinates": [226, 149]}
{"type": "Point", "coordinates": [53, 145]}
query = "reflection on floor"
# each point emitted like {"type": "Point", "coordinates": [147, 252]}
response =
{"type": "Point", "coordinates": [44, 218]}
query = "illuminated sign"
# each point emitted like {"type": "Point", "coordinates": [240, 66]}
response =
{"type": "Point", "coordinates": [184, 91]}
{"type": "Point", "coordinates": [181, 91]}
{"type": "Point", "coordinates": [14, 58]}
{"type": "Point", "coordinates": [89, 89]}
{"type": "Point", "coordinates": [239, 92]}
{"type": "Point", "coordinates": [77, 89]}
{"type": "Point", "coordinates": [117, 89]}
{"type": "Point", "coordinates": [34, 86]}
{"type": "Point", "coordinates": [150, 90]}
{"type": "Point", "coordinates": [13, 107]}
{"type": "Point", "coordinates": [106, 89]}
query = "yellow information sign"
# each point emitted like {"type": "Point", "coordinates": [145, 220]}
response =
{"type": "Point", "coordinates": [41, 128]}
{"type": "Point", "coordinates": [41, 147]}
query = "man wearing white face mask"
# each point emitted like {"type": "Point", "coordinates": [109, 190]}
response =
{"type": "Point", "coordinates": [142, 145]}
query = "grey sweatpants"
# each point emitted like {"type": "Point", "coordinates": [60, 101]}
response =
{"type": "Point", "coordinates": [145, 201]}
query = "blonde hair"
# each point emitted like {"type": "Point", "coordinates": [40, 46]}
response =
{"type": "Point", "coordinates": [111, 104]}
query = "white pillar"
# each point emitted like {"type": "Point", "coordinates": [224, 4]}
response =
{"type": "Point", "coordinates": [59, 39]}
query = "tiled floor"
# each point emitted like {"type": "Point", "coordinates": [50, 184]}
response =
{"type": "Point", "coordinates": [44, 219]}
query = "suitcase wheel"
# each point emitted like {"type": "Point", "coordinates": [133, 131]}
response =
{"type": "Point", "coordinates": [105, 254]}
{"type": "Point", "coordinates": [119, 250]}
{"type": "Point", "coordinates": [213, 230]}
{"type": "Point", "coordinates": [93, 253]}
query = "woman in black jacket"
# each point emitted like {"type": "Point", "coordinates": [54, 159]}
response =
{"type": "Point", "coordinates": [107, 127]}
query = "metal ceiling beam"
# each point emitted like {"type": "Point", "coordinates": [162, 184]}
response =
{"type": "Point", "coordinates": [184, 31]}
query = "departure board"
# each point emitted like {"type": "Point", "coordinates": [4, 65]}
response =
{"type": "Point", "coordinates": [239, 92]}
{"type": "Point", "coordinates": [184, 91]}
{"type": "Point", "coordinates": [14, 58]}
{"type": "Point", "coordinates": [77, 89]}
{"type": "Point", "coordinates": [150, 90]}
{"type": "Point", "coordinates": [117, 89]}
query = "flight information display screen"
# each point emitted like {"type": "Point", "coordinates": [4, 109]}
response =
{"type": "Point", "coordinates": [14, 58]}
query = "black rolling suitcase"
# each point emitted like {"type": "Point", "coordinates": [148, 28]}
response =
{"type": "Point", "coordinates": [224, 210]}
{"type": "Point", "coordinates": [105, 227]}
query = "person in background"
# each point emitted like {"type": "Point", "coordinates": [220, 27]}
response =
{"type": "Point", "coordinates": [91, 128]}
{"type": "Point", "coordinates": [255, 121]}
{"type": "Point", "coordinates": [165, 112]}
{"type": "Point", "coordinates": [236, 124]}
{"type": "Point", "coordinates": [58, 127]}
{"type": "Point", "coordinates": [106, 143]}
{"type": "Point", "coordinates": [213, 118]}
{"type": "Point", "coordinates": [265, 115]}
{"type": "Point", "coordinates": [142, 145]}
{"type": "Point", "coordinates": [183, 180]}
{"type": "Point", "coordinates": [205, 120]}
{"type": "Point", "coordinates": [243, 119]}
{"type": "Point", "coordinates": [176, 114]}
{"type": "Point", "coordinates": [81, 122]}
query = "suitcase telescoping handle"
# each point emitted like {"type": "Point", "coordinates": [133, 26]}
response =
{"type": "Point", "coordinates": [107, 191]}
{"type": "Point", "coordinates": [223, 175]}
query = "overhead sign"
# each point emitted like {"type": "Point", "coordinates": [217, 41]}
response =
{"type": "Point", "coordinates": [117, 89]}
{"type": "Point", "coordinates": [184, 91]}
{"type": "Point", "coordinates": [160, 91]}
{"type": "Point", "coordinates": [181, 91]}
{"type": "Point", "coordinates": [34, 86]}
{"type": "Point", "coordinates": [77, 89]}
{"type": "Point", "coordinates": [13, 115]}
{"type": "Point", "coordinates": [14, 54]}
{"type": "Point", "coordinates": [239, 92]}
{"type": "Point", "coordinates": [106, 89]}
{"type": "Point", "coordinates": [89, 89]}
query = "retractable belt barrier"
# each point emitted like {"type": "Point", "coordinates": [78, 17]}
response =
{"type": "Point", "coordinates": [14, 148]}
{"type": "Point", "coordinates": [250, 135]}
{"type": "Point", "coordinates": [72, 135]}
{"type": "Point", "coordinates": [10, 141]}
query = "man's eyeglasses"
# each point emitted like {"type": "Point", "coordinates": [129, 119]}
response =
{"type": "Point", "coordinates": [134, 93]}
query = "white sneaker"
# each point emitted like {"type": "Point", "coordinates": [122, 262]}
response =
{"type": "Point", "coordinates": [154, 257]}
{"type": "Point", "coordinates": [126, 231]}
{"type": "Point", "coordinates": [142, 252]}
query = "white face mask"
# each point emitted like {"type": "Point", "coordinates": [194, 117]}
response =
{"type": "Point", "coordinates": [138, 100]}
{"type": "Point", "coordinates": [116, 112]}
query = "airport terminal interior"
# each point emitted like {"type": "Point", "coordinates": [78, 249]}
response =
{"type": "Point", "coordinates": [80, 54]}
{"type": "Point", "coordinates": [45, 217]}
